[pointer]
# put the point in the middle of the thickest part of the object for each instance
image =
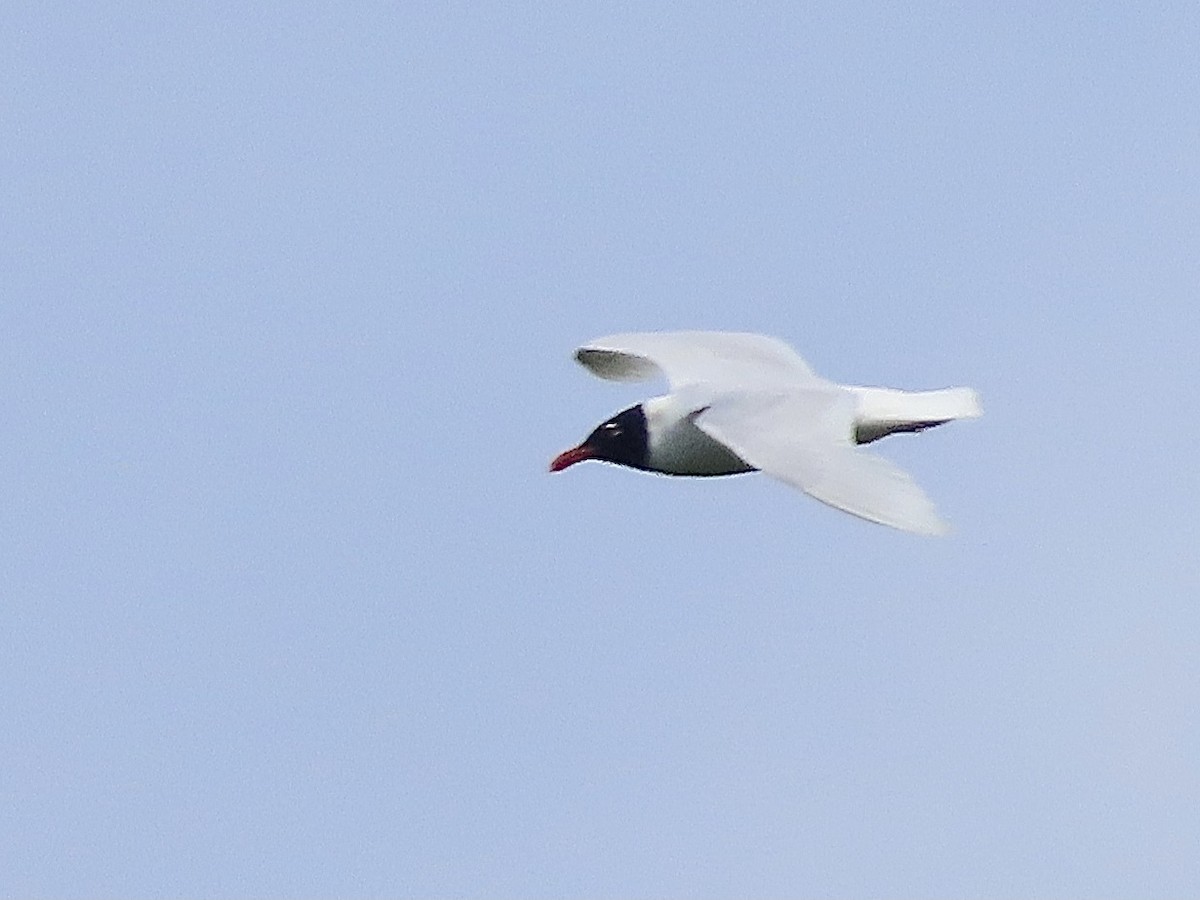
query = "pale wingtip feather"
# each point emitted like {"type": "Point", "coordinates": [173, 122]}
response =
{"type": "Point", "coordinates": [972, 404]}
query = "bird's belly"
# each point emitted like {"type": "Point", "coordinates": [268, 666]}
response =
{"type": "Point", "coordinates": [686, 450]}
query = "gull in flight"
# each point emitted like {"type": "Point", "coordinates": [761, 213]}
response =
{"type": "Point", "coordinates": [747, 402]}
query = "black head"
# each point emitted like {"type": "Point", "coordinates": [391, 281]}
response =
{"type": "Point", "coordinates": [622, 440]}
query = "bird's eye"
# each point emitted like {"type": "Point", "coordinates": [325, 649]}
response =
{"type": "Point", "coordinates": [612, 429]}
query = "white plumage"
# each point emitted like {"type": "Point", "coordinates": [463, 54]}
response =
{"type": "Point", "coordinates": [741, 402]}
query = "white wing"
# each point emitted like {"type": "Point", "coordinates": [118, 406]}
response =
{"type": "Point", "coordinates": [803, 438]}
{"type": "Point", "coordinates": [737, 361]}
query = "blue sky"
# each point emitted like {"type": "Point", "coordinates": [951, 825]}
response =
{"type": "Point", "coordinates": [291, 607]}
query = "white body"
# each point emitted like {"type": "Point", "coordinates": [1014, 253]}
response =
{"type": "Point", "coordinates": [742, 402]}
{"type": "Point", "coordinates": [678, 447]}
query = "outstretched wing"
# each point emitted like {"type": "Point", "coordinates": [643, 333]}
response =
{"type": "Point", "coordinates": [732, 360]}
{"type": "Point", "coordinates": [804, 438]}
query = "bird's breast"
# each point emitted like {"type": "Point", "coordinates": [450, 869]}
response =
{"type": "Point", "coordinates": [681, 448]}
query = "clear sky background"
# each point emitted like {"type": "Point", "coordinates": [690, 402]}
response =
{"type": "Point", "coordinates": [290, 605]}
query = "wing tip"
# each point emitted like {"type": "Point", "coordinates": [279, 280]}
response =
{"type": "Point", "coordinates": [614, 365]}
{"type": "Point", "coordinates": [925, 522]}
{"type": "Point", "coordinates": [936, 527]}
{"type": "Point", "coordinates": [972, 404]}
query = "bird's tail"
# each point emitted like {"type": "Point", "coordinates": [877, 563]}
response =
{"type": "Point", "coordinates": [884, 411]}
